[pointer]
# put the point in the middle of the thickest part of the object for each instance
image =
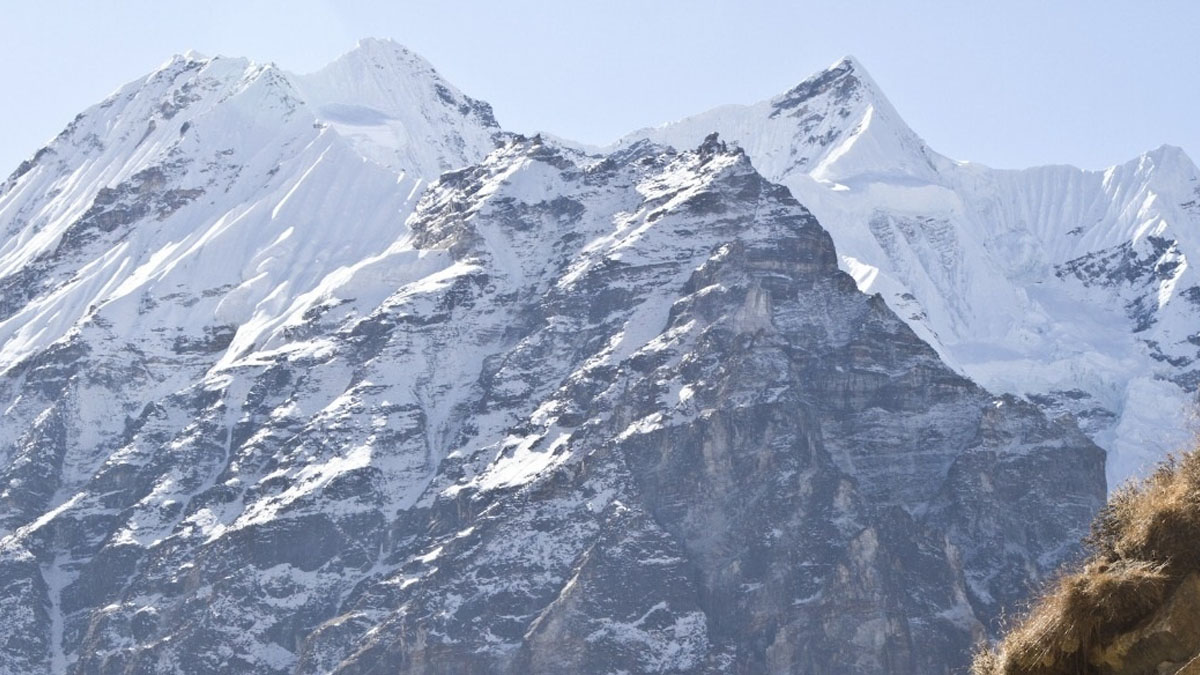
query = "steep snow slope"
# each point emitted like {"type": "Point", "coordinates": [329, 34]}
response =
{"type": "Point", "coordinates": [231, 181]}
{"type": "Point", "coordinates": [1066, 286]}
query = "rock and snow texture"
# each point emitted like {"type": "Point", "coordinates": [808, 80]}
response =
{"type": "Point", "coordinates": [279, 399]}
{"type": "Point", "coordinates": [1071, 288]}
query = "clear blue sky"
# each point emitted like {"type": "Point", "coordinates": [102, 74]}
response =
{"type": "Point", "coordinates": [1010, 84]}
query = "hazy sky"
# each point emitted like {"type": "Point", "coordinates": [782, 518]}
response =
{"type": "Point", "coordinates": [1009, 84]}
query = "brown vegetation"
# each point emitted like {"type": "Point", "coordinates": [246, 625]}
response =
{"type": "Point", "coordinates": [1144, 544]}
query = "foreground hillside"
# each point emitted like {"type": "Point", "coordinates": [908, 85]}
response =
{"type": "Point", "coordinates": [1134, 607]}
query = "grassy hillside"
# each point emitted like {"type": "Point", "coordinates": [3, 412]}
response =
{"type": "Point", "coordinates": [1133, 606]}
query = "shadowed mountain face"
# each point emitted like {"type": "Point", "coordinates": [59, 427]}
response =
{"type": "Point", "coordinates": [279, 399]}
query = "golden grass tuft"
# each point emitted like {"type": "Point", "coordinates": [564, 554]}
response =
{"type": "Point", "coordinates": [1158, 520]}
{"type": "Point", "coordinates": [1144, 542]}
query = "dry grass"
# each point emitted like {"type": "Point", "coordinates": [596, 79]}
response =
{"type": "Point", "coordinates": [1143, 543]}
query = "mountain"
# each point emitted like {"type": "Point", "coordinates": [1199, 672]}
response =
{"type": "Point", "coordinates": [327, 373]}
{"type": "Point", "coordinates": [1070, 288]}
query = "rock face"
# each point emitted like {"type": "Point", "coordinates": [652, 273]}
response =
{"type": "Point", "coordinates": [577, 414]}
{"type": "Point", "coordinates": [1070, 288]}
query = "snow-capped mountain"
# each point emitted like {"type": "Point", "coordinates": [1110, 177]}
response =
{"type": "Point", "coordinates": [227, 187]}
{"type": "Point", "coordinates": [326, 373]}
{"type": "Point", "coordinates": [1069, 287]}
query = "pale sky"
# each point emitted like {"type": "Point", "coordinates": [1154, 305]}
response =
{"type": "Point", "coordinates": [1009, 84]}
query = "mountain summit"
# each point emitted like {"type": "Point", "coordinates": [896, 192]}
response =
{"type": "Point", "coordinates": [835, 126]}
{"type": "Point", "coordinates": [1068, 287]}
{"type": "Point", "coordinates": [220, 178]}
{"type": "Point", "coordinates": [398, 110]}
{"type": "Point", "coordinates": [327, 373]}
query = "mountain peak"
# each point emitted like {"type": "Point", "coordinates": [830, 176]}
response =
{"type": "Point", "coordinates": [190, 56]}
{"type": "Point", "coordinates": [383, 74]}
{"type": "Point", "coordinates": [836, 126]}
{"type": "Point", "coordinates": [377, 60]}
{"type": "Point", "coordinates": [397, 110]}
{"type": "Point", "coordinates": [379, 43]}
{"type": "Point", "coordinates": [1168, 155]}
{"type": "Point", "coordinates": [848, 61]}
{"type": "Point", "coordinates": [1166, 169]}
{"type": "Point", "coordinates": [385, 51]}
{"type": "Point", "coordinates": [844, 82]}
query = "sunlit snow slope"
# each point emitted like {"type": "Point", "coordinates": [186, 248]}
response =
{"type": "Point", "coordinates": [1070, 287]}
{"type": "Point", "coordinates": [227, 191]}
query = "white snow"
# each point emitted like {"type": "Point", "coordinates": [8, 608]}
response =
{"type": "Point", "coordinates": [970, 256]}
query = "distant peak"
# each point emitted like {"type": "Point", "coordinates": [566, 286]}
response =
{"type": "Point", "coordinates": [847, 63]}
{"type": "Point", "coordinates": [381, 45]}
{"type": "Point", "coordinates": [1171, 159]}
{"type": "Point", "coordinates": [1166, 152]}
{"type": "Point", "coordinates": [379, 64]}
{"type": "Point", "coordinates": [190, 56]}
{"type": "Point", "coordinates": [845, 127]}
{"type": "Point", "coordinates": [842, 81]}
{"type": "Point", "coordinates": [373, 42]}
{"type": "Point", "coordinates": [380, 69]}
{"type": "Point", "coordinates": [384, 50]}
{"type": "Point", "coordinates": [382, 74]}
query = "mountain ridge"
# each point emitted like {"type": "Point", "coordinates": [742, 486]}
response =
{"type": "Point", "coordinates": [992, 266]}
{"type": "Point", "coordinates": [352, 414]}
